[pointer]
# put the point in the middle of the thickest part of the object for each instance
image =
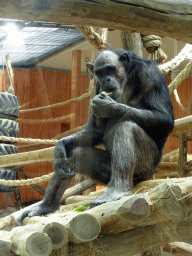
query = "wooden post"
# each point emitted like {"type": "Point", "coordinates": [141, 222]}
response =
{"type": "Point", "coordinates": [182, 154]}
{"type": "Point", "coordinates": [75, 86]}
{"type": "Point", "coordinates": [132, 42]}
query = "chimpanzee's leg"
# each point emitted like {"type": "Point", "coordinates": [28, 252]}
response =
{"type": "Point", "coordinates": [132, 151]}
{"type": "Point", "coordinates": [92, 162]}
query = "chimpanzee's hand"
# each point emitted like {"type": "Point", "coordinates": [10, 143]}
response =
{"type": "Point", "coordinates": [60, 162]}
{"type": "Point", "coordinates": [103, 105]}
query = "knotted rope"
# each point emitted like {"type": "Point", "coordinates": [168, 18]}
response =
{"type": "Point", "coordinates": [153, 45]}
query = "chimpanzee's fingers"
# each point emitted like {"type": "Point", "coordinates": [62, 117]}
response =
{"type": "Point", "coordinates": [60, 162]}
{"type": "Point", "coordinates": [21, 217]}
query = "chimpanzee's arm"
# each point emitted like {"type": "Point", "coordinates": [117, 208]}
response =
{"type": "Point", "coordinates": [91, 135]}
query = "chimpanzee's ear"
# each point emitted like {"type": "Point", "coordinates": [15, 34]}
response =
{"type": "Point", "coordinates": [124, 58]}
{"type": "Point", "coordinates": [90, 66]}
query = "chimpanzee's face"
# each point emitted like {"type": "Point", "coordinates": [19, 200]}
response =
{"type": "Point", "coordinates": [110, 73]}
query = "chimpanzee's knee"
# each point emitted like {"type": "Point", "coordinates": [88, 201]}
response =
{"type": "Point", "coordinates": [92, 162]}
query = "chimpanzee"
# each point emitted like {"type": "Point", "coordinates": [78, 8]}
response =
{"type": "Point", "coordinates": [131, 114]}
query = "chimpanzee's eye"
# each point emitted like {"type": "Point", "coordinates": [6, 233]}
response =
{"type": "Point", "coordinates": [111, 70]}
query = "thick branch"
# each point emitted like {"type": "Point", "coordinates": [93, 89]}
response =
{"type": "Point", "coordinates": [160, 17]}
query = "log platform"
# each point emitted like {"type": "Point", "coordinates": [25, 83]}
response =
{"type": "Point", "coordinates": [159, 212]}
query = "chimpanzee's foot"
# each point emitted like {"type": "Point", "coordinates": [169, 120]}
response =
{"type": "Point", "coordinates": [111, 194]}
{"type": "Point", "coordinates": [37, 210]}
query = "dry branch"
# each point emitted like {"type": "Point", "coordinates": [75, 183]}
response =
{"type": "Point", "coordinates": [158, 17]}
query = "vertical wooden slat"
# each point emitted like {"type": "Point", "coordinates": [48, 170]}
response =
{"type": "Point", "coordinates": [75, 86]}
{"type": "Point", "coordinates": [182, 154]}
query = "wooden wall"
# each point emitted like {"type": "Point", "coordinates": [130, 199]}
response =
{"type": "Point", "coordinates": [185, 94]}
{"type": "Point", "coordinates": [36, 88]}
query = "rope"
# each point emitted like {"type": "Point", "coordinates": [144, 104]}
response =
{"type": "Point", "coordinates": [23, 140]}
{"type": "Point", "coordinates": [55, 119]}
{"type": "Point", "coordinates": [94, 38]}
{"type": "Point", "coordinates": [153, 45]}
{"type": "Point", "coordinates": [182, 76]}
{"type": "Point", "coordinates": [83, 96]}
{"type": "Point", "coordinates": [17, 183]}
{"type": "Point", "coordinates": [168, 66]}
{"type": "Point", "coordinates": [174, 73]}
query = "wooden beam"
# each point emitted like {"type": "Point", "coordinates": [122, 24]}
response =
{"type": "Point", "coordinates": [160, 17]}
{"type": "Point", "coordinates": [182, 125]}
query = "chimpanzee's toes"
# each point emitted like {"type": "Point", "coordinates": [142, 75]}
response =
{"type": "Point", "coordinates": [109, 195]}
{"type": "Point", "coordinates": [36, 210]}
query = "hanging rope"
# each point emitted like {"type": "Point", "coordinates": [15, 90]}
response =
{"type": "Point", "coordinates": [94, 38]}
{"type": "Point", "coordinates": [168, 66]}
{"type": "Point", "coordinates": [174, 73]}
{"type": "Point", "coordinates": [182, 76]}
{"type": "Point", "coordinates": [153, 45]}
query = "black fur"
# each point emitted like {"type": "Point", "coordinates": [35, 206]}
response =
{"type": "Point", "coordinates": [132, 119]}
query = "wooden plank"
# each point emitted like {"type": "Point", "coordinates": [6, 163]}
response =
{"type": "Point", "coordinates": [157, 17]}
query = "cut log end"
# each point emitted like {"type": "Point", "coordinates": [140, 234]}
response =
{"type": "Point", "coordinates": [135, 209]}
{"type": "Point", "coordinates": [57, 233]}
{"type": "Point", "coordinates": [31, 243]}
{"type": "Point", "coordinates": [83, 228]}
{"type": "Point", "coordinates": [55, 230]}
{"type": "Point", "coordinates": [5, 246]}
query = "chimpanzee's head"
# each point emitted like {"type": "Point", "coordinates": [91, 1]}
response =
{"type": "Point", "coordinates": [110, 71]}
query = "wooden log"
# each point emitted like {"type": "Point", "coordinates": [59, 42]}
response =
{"type": "Point", "coordinates": [148, 17]}
{"type": "Point", "coordinates": [172, 156]}
{"type": "Point", "coordinates": [137, 240]}
{"type": "Point", "coordinates": [76, 199]}
{"type": "Point", "coordinates": [42, 155]}
{"type": "Point", "coordinates": [77, 189]}
{"type": "Point", "coordinates": [179, 249]}
{"type": "Point", "coordinates": [12, 218]}
{"type": "Point", "coordinates": [132, 41]}
{"type": "Point", "coordinates": [116, 217]}
{"type": "Point", "coordinates": [55, 231]}
{"type": "Point", "coordinates": [80, 227]}
{"type": "Point", "coordinates": [29, 243]}
{"type": "Point", "coordinates": [5, 244]}
{"type": "Point", "coordinates": [171, 165]}
{"type": "Point", "coordinates": [182, 125]}
{"type": "Point", "coordinates": [182, 162]}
